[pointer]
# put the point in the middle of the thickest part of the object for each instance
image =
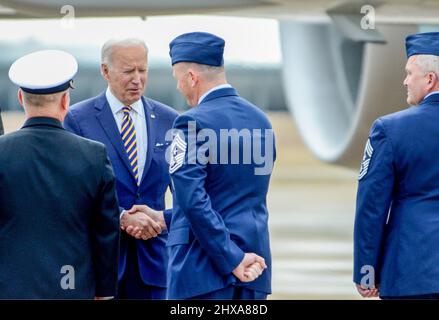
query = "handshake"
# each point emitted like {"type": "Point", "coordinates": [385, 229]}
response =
{"type": "Point", "coordinates": [142, 222]}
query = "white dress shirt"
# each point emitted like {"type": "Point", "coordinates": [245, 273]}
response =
{"type": "Point", "coordinates": [138, 116]}
{"type": "Point", "coordinates": [221, 86]}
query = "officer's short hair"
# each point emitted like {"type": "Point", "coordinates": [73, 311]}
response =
{"type": "Point", "coordinates": [208, 72]}
{"type": "Point", "coordinates": [41, 100]}
{"type": "Point", "coordinates": [206, 68]}
{"type": "Point", "coordinates": [428, 63]}
{"type": "Point", "coordinates": [107, 48]}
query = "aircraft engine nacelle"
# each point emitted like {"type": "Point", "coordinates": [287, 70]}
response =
{"type": "Point", "coordinates": [336, 87]}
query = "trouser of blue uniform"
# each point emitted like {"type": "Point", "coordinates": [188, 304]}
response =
{"type": "Point", "coordinates": [232, 292]}
{"type": "Point", "coordinates": [131, 286]}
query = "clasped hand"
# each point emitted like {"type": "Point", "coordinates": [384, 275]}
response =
{"type": "Point", "coordinates": [142, 222]}
{"type": "Point", "coordinates": [250, 268]}
{"type": "Point", "coordinates": [368, 292]}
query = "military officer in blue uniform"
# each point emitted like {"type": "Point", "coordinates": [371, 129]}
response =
{"type": "Point", "coordinates": [396, 230]}
{"type": "Point", "coordinates": [218, 238]}
{"type": "Point", "coordinates": [59, 214]}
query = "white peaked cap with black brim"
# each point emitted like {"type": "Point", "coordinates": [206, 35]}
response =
{"type": "Point", "coordinates": [44, 72]}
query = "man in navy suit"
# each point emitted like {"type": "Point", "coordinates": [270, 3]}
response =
{"type": "Point", "coordinates": [218, 238]}
{"type": "Point", "coordinates": [397, 216]}
{"type": "Point", "coordinates": [133, 128]}
{"type": "Point", "coordinates": [59, 216]}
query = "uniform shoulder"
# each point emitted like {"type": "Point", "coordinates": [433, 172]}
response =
{"type": "Point", "coordinates": [90, 152]}
{"type": "Point", "coordinates": [398, 117]}
{"type": "Point", "coordinates": [67, 138]}
{"type": "Point", "coordinates": [186, 118]}
{"type": "Point", "coordinates": [258, 111]}
{"type": "Point", "coordinates": [191, 114]}
{"type": "Point", "coordinates": [162, 109]}
{"type": "Point", "coordinates": [84, 141]}
{"type": "Point", "coordinates": [11, 136]}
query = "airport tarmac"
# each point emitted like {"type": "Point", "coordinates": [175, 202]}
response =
{"type": "Point", "coordinates": [311, 207]}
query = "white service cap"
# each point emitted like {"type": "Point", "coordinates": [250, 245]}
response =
{"type": "Point", "coordinates": [44, 72]}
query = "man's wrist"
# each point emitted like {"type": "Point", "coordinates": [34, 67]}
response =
{"type": "Point", "coordinates": [161, 219]}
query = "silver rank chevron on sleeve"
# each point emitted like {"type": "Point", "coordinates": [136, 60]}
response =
{"type": "Point", "coordinates": [178, 152]}
{"type": "Point", "coordinates": [368, 151]}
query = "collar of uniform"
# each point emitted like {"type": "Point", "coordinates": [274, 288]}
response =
{"type": "Point", "coordinates": [431, 97]}
{"type": "Point", "coordinates": [220, 93]}
{"type": "Point", "coordinates": [117, 106]}
{"type": "Point", "coordinates": [43, 121]}
{"type": "Point", "coordinates": [221, 86]}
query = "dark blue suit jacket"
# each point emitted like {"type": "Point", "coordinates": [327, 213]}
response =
{"type": "Point", "coordinates": [58, 208]}
{"type": "Point", "coordinates": [220, 210]}
{"type": "Point", "coordinates": [93, 119]}
{"type": "Point", "coordinates": [397, 219]}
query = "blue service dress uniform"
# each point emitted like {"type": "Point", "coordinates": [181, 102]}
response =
{"type": "Point", "coordinates": [219, 209]}
{"type": "Point", "coordinates": [58, 208]}
{"type": "Point", "coordinates": [59, 214]}
{"type": "Point", "coordinates": [397, 216]}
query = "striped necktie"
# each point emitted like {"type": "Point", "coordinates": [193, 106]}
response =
{"type": "Point", "coordinates": [128, 133]}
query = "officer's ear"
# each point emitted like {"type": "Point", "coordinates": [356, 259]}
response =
{"type": "Point", "coordinates": [20, 97]}
{"type": "Point", "coordinates": [193, 78]}
{"type": "Point", "coordinates": [65, 100]}
{"type": "Point", "coordinates": [432, 80]}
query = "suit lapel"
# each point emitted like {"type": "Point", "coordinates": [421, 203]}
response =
{"type": "Point", "coordinates": [106, 119]}
{"type": "Point", "coordinates": [151, 133]}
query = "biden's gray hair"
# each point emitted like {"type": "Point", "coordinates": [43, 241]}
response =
{"type": "Point", "coordinates": [107, 48]}
{"type": "Point", "coordinates": [428, 63]}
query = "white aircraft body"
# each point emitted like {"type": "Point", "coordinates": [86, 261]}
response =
{"type": "Point", "coordinates": [343, 61]}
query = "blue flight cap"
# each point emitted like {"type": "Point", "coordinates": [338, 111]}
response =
{"type": "Point", "coordinates": [198, 47]}
{"type": "Point", "coordinates": [44, 72]}
{"type": "Point", "coordinates": [422, 43]}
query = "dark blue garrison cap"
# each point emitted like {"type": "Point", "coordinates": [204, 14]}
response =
{"type": "Point", "coordinates": [422, 43]}
{"type": "Point", "coordinates": [198, 47]}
